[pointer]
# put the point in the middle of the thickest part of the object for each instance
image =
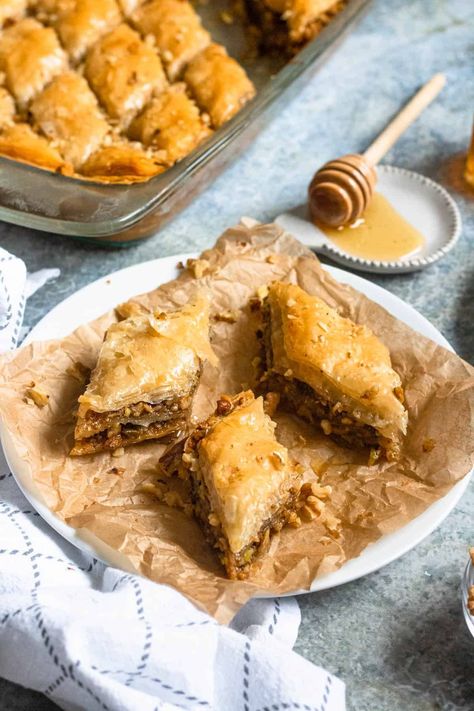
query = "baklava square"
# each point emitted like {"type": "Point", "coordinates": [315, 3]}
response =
{"type": "Point", "coordinates": [30, 56]}
{"type": "Point", "coordinates": [67, 113]}
{"type": "Point", "coordinates": [177, 30]}
{"type": "Point", "coordinates": [171, 123]}
{"type": "Point", "coordinates": [219, 84]}
{"type": "Point", "coordinates": [124, 72]}
{"type": "Point", "coordinates": [79, 23]}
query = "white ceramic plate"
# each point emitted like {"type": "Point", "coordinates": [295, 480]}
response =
{"type": "Point", "coordinates": [422, 202]}
{"type": "Point", "coordinates": [103, 294]}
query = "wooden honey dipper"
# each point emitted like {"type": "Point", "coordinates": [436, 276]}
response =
{"type": "Point", "coordinates": [342, 189]}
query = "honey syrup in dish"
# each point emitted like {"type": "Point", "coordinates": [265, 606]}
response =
{"type": "Point", "coordinates": [381, 234]}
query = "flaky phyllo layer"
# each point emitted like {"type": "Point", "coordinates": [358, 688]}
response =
{"type": "Point", "coordinates": [146, 374]}
{"type": "Point", "coordinates": [331, 371]}
{"type": "Point", "coordinates": [243, 483]}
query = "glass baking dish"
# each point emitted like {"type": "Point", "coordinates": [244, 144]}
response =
{"type": "Point", "coordinates": [120, 214]}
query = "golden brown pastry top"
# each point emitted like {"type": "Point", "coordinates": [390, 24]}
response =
{"type": "Point", "coordinates": [247, 471]}
{"type": "Point", "coordinates": [79, 23]}
{"type": "Point", "coordinates": [30, 56]}
{"type": "Point", "coordinates": [124, 72]}
{"type": "Point", "coordinates": [335, 356]}
{"type": "Point", "coordinates": [219, 84]}
{"type": "Point", "coordinates": [171, 123]}
{"type": "Point", "coordinates": [149, 358]}
{"type": "Point", "coordinates": [68, 113]}
{"type": "Point", "coordinates": [177, 30]}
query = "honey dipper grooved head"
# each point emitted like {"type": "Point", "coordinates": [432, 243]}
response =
{"type": "Point", "coordinates": [341, 191]}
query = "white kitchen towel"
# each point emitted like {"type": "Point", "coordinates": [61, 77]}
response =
{"type": "Point", "coordinates": [93, 637]}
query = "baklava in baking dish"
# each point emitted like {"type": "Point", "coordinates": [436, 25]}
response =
{"type": "Point", "coordinates": [244, 485]}
{"type": "Point", "coordinates": [143, 384]}
{"type": "Point", "coordinates": [118, 90]}
{"type": "Point", "coordinates": [331, 371]}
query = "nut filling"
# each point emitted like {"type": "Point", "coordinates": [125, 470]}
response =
{"type": "Point", "coordinates": [110, 430]}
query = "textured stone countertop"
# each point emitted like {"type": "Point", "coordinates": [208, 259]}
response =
{"type": "Point", "coordinates": [396, 637]}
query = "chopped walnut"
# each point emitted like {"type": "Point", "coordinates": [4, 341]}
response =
{"type": "Point", "coordinates": [224, 405]}
{"type": "Point", "coordinates": [79, 371]}
{"type": "Point", "coordinates": [399, 394]}
{"type": "Point", "coordinates": [307, 513]}
{"type": "Point", "coordinates": [198, 267]}
{"type": "Point", "coordinates": [226, 316]}
{"type": "Point", "coordinates": [294, 520]}
{"type": "Point", "coordinates": [374, 455]}
{"type": "Point", "coordinates": [37, 395]}
{"type": "Point", "coordinates": [119, 452]}
{"type": "Point", "coordinates": [213, 520]}
{"type": "Point", "coordinates": [271, 401]}
{"type": "Point", "coordinates": [227, 17]}
{"type": "Point", "coordinates": [428, 444]}
{"type": "Point", "coordinates": [326, 427]}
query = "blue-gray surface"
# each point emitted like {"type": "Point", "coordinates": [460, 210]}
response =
{"type": "Point", "coordinates": [396, 637]}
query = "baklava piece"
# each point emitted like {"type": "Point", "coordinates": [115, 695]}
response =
{"type": "Point", "coordinates": [121, 163]}
{"type": "Point", "coordinates": [79, 23]}
{"type": "Point", "coordinates": [288, 24]}
{"type": "Point", "coordinates": [124, 72]}
{"type": "Point", "coordinates": [244, 486]}
{"type": "Point", "coordinates": [30, 57]}
{"type": "Point", "coordinates": [171, 123]}
{"type": "Point", "coordinates": [143, 384]}
{"type": "Point", "coordinates": [218, 83]}
{"type": "Point", "coordinates": [176, 29]}
{"type": "Point", "coordinates": [67, 112]}
{"type": "Point", "coordinates": [20, 142]}
{"type": "Point", "coordinates": [331, 371]}
{"type": "Point", "coordinates": [12, 10]}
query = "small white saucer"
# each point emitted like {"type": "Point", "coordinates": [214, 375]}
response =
{"type": "Point", "coordinates": [422, 202]}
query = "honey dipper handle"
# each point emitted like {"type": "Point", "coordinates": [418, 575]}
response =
{"type": "Point", "coordinates": [407, 115]}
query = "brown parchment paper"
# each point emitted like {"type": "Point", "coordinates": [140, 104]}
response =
{"type": "Point", "coordinates": [168, 547]}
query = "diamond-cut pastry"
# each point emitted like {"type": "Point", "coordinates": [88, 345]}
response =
{"type": "Point", "coordinates": [79, 23]}
{"type": "Point", "coordinates": [218, 83]}
{"type": "Point", "coordinates": [30, 56]}
{"type": "Point", "coordinates": [143, 384]}
{"type": "Point", "coordinates": [124, 72]}
{"type": "Point", "coordinates": [176, 29]}
{"type": "Point", "coordinates": [171, 123]}
{"type": "Point", "coordinates": [68, 113]}
{"type": "Point", "coordinates": [244, 485]}
{"type": "Point", "coordinates": [331, 371]}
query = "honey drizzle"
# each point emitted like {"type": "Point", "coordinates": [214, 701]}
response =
{"type": "Point", "coordinates": [382, 234]}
